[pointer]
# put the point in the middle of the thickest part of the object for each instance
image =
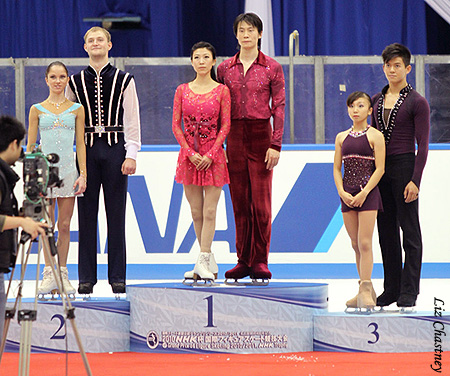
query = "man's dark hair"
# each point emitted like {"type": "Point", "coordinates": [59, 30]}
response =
{"type": "Point", "coordinates": [356, 95]}
{"type": "Point", "coordinates": [11, 129]}
{"type": "Point", "coordinates": [396, 50]}
{"type": "Point", "coordinates": [251, 19]}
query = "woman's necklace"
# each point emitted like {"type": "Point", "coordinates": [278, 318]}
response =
{"type": "Point", "coordinates": [57, 105]}
{"type": "Point", "coordinates": [358, 133]}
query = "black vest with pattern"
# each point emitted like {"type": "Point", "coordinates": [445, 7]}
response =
{"type": "Point", "coordinates": [101, 94]}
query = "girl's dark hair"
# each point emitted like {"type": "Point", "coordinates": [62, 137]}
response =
{"type": "Point", "coordinates": [56, 63]}
{"type": "Point", "coordinates": [356, 95]}
{"type": "Point", "coordinates": [251, 19]}
{"type": "Point", "coordinates": [211, 49]}
{"type": "Point", "coordinates": [396, 50]}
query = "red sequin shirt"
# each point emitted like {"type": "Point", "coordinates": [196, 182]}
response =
{"type": "Point", "coordinates": [251, 94]}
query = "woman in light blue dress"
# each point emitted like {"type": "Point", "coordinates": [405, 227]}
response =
{"type": "Point", "coordinates": [60, 121]}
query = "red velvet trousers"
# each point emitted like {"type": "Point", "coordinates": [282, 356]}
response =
{"type": "Point", "coordinates": [250, 188]}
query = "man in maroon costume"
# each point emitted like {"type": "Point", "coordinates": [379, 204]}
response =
{"type": "Point", "coordinates": [256, 83]}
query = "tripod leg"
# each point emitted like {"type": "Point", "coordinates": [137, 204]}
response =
{"type": "Point", "coordinates": [67, 305]}
{"type": "Point", "coordinates": [25, 341]}
{"type": "Point", "coordinates": [9, 315]}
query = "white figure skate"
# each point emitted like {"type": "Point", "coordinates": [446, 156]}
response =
{"type": "Point", "coordinates": [205, 270]}
{"type": "Point", "coordinates": [68, 288]}
{"type": "Point", "coordinates": [48, 285]}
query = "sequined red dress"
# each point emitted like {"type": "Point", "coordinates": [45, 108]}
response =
{"type": "Point", "coordinates": [359, 165]}
{"type": "Point", "coordinates": [206, 120]}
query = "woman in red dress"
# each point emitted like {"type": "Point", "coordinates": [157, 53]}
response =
{"type": "Point", "coordinates": [203, 105]}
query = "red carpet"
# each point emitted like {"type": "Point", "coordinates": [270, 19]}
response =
{"type": "Point", "coordinates": [308, 363]}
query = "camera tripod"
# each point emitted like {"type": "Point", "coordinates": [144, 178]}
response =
{"type": "Point", "coordinates": [26, 317]}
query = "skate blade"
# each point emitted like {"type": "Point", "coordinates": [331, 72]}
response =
{"type": "Point", "coordinates": [379, 309]}
{"type": "Point", "coordinates": [364, 311]}
{"type": "Point", "coordinates": [359, 311]}
{"type": "Point", "coordinates": [252, 282]}
{"type": "Point", "coordinates": [406, 310]}
{"type": "Point", "coordinates": [43, 298]}
{"type": "Point", "coordinates": [71, 296]}
{"type": "Point", "coordinates": [199, 282]}
{"type": "Point", "coordinates": [118, 295]}
{"type": "Point", "coordinates": [260, 281]}
{"type": "Point", "coordinates": [86, 297]}
{"type": "Point", "coordinates": [188, 281]}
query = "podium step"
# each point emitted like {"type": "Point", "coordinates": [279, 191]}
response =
{"type": "Point", "coordinates": [173, 318]}
{"type": "Point", "coordinates": [103, 325]}
{"type": "Point", "coordinates": [392, 332]}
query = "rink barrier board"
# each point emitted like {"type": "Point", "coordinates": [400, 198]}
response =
{"type": "Point", "coordinates": [161, 241]}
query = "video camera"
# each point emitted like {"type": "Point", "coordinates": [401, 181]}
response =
{"type": "Point", "coordinates": [39, 175]}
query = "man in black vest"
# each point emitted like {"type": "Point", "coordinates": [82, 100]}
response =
{"type": "Point", "coordinates": [113, 139]}
{"type": "Point", "coordinates": [12, 132]}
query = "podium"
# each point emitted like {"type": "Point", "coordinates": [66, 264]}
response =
{"type": "Point", "coordinates": [103, 324]}
{"type": "Point", "coordinates": [173, 318]}
{"type": "Point", "coordinates": [380, 332]}
{"type": "Point", "coordinates": [278, 318]}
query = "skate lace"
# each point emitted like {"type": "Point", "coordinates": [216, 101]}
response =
{"type": "Point", "coordinates": [204, 261]}
{"type": "Point", "coordinates": [47, 273]}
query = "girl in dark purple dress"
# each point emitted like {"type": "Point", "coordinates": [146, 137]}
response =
{"type": "Point", "coordinates": [362, 150]}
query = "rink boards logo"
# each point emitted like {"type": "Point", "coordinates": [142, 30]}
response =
{"type": "Point", "coordinates": [152, 340]}
{"type": "Point", "coordinates": [306, 222]}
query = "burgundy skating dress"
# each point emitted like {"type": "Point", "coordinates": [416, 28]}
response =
{"type": "Point", "coordinates": [359, 165]}
{"type": "Point", "coordinates": [201, 114]}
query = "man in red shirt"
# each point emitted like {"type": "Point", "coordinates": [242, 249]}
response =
{"type": "Point", "coordinates": [256, 83]}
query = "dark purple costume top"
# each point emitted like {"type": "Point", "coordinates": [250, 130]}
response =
{"type": "Point", "coordinates": [409, 122]}
{"type": "Point", "coordinates": [359, 165]}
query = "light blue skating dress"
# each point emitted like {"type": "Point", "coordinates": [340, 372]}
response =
{"type": "Point", "coordinates": [57, 136]}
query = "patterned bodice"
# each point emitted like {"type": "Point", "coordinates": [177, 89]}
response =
{"type": "Point", "coordinates": [358, 158]}
{"type": "Point", "coordinates": [206, 119]}
{"type": "Point", "coordinates": [57, 135]}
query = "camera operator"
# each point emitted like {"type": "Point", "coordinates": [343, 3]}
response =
{"type": "Point", "coordinates": [12, 132]}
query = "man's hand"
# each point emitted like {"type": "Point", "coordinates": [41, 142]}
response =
{"type": "Point", "coordinates": [32, 227]}
{"type": "Point", "coordinates": [272, 158]}
{"type": "Point", "coordinates": [411, 192]}
{"type": "Point", "coordinates": [128, 166]}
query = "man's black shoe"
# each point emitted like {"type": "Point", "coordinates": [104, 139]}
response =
{"type": "Point", "coordinates": [406, 300]}
{"type": "Point", "coordinates": [85, 288]}
{"type": "Point", "coordinates": [386, 298]}
{"type": "Point", "coordinates": [118, 287]}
